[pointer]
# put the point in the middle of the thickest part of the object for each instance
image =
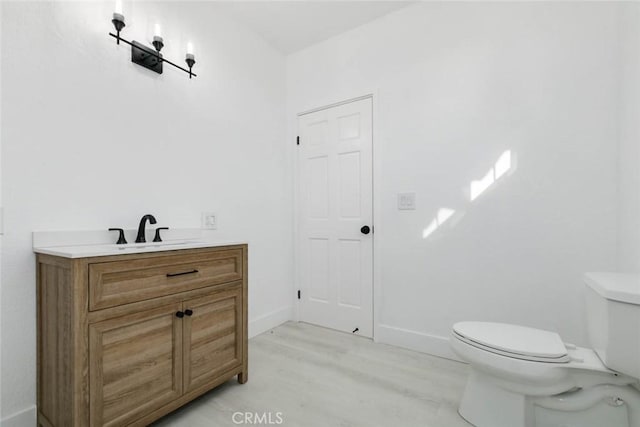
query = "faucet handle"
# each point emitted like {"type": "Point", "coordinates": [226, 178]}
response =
{"type": "Point", "coordinates": [157, 236]}
{"type": "Point", "coordinates": [121, 239]}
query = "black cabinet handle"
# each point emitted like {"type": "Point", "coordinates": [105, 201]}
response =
{"type": "Point", "coordinates": [157, 236]}
{"type": "Point", "coordinates": [182, 274]}
{"type": "Point", "coordinates": [188, 312]}
{"type": "Point", "coordinates": [365, 229]}
{"type": "Point", "coordinates": [179, 314]}
{"type": "Point", "coordinates": [121, 239]}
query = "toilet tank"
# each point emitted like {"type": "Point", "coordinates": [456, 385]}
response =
{"type": "Point", "coordinates": [613, 320]}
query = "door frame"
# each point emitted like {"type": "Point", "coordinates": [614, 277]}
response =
{"type": "Point", "coordinates": [376, 208]}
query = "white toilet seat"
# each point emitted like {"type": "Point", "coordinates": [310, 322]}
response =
{"type": "Point", "coordinates": [514, 341]}
{"type": "Point", "coordinates": [563, 359]}
{"type": "Point", "coordinates": [533, 375]}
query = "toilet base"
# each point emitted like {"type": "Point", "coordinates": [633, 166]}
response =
{"type": "Point", "coordinates": [485, 404]}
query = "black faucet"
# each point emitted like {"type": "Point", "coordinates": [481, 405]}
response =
{"type": "Point", "coordinates": [141, 237]}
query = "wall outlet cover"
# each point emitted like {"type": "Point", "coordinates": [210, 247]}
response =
{"type": "Point", "coordinates": [209, 220]}
{"type": "Point", "coordinates": [406, 201]}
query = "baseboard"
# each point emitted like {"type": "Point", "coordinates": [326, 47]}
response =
{"type": "Point", "coordinates": [417, 341]}
{"type": "Point", "coordinates": [26, 418]}
{"type": "Point", "coordinates": [270, 320]}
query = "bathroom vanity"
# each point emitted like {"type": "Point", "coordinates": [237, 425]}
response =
{"type": "Point", "coordinates": [125, 337]}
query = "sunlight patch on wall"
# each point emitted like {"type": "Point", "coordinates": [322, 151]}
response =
{"type": "Point", "coordinates": [505, 165]}
{"type": "Point", "coordinates": [501, 167]}
{"type": "Point", "coordinates": [441, 217]}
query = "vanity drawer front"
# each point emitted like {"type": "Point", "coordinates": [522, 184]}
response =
{"type": "Point", "coordinates": [122, 282]}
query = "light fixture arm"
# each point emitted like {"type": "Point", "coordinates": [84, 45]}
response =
{"type": "Point", "coordinates": [145, 56]}
{"type": "Point", "coordinates": [157, 55]}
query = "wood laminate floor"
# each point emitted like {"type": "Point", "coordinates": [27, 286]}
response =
{"type": "Point", "coordinates": [313, 377]}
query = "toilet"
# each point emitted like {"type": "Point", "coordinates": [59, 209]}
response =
{"type": "Point", "coordinates": [526, 377]}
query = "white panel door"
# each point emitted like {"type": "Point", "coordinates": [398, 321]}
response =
{"type": "Point", "coordinates": [334, 204]}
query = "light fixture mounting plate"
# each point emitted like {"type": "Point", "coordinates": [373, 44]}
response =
{"type": "Point", "coordinates": [145, 56]}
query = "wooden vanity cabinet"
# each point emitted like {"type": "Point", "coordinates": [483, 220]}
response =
{"type": "Point", "coordinates": [124, 340]}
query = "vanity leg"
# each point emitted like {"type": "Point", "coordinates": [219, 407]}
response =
{"type": "Point", "coordinates": [242, 377]}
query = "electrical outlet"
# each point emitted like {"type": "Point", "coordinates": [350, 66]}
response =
{"type": "Point", "coordinates": [406, 201]}
{"type": "Point", "coordinates": [209, 220]}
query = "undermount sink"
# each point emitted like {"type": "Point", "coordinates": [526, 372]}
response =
{"type": "Point", "coordinates": [164, 245]}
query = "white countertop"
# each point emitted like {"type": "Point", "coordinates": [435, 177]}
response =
{"type": "Point", "coordinates": [86, 251]}
{"type": "Point", "coordinates": [623, 287]}
{"type": "Point", "coordinates": [94, 243]}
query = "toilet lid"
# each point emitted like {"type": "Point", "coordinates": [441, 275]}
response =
{"type": "Point", "coordinates": [514, 339]}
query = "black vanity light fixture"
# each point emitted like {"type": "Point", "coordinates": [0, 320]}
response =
{"type": "Point", "coordinates": [145, 56]}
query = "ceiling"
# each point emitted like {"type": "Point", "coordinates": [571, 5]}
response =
{"type": "Point", "coordinates": [293, 25]}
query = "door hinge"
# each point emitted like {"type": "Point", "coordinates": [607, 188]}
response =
{"type": "Point", "coordinates": [297, 140]}
{"type": "Point", "coordinates": [298, 294]}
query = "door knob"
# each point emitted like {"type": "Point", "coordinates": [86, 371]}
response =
{"type": "Point", "coordinates": [188, 312]}
{"type": "Point", "coordinates": [365, 229]}
{"type": "Point", "coordinates": [180, 314]}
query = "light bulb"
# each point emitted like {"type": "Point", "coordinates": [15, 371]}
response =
{"type": "Point", "coordinates": [118, 8]}
{"type": "Point", "coordinates": [190, 48]}
{"type": "Point", "coordinates": [156, 31]}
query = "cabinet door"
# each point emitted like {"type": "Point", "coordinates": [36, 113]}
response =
{"type": "Point", "coordinates": [212, 337]}
{"type": "Point", "coordinates": [135, 365]}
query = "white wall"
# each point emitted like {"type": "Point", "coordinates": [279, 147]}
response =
{"type": "Point", "coordinates": [456, 85]}
{"type": "Point", "coordinates": [90, 140]}
{"type": "Point", "coordinates": [1, 125]}
{"type": "Point", "coordinates": [629, 153]}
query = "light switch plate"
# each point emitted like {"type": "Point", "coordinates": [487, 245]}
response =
{"type": "Point", "coordinates": [406, 201]}
{"type": "Point", "coordinates": [209, 220]}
